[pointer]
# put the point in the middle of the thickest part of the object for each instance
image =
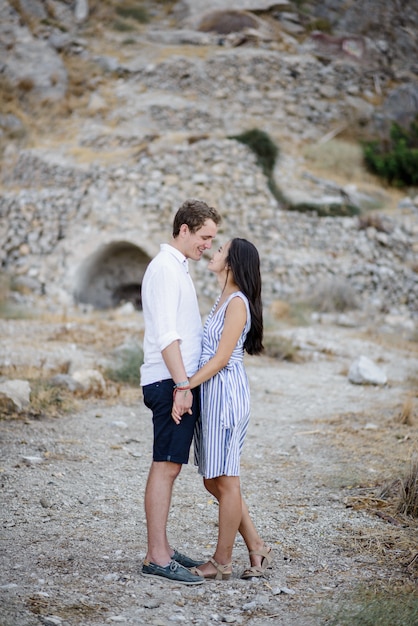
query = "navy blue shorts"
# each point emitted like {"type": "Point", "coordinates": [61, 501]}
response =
{"type": "Point", "coordinates": [171, 441]}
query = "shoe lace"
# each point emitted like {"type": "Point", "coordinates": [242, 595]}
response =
{"type": "Point", "coordinates": [173, 566]}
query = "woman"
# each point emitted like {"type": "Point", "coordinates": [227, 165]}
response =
{"type": "Point", "coordinates": [235, 324]}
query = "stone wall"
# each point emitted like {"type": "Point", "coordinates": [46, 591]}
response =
{"type": "Point", "coordinates": [71, 231]}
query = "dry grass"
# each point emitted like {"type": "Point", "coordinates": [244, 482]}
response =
{"type": "Point", "coordinates": [408, 498]}
{"type": "Point", "coordinates": [8, 308]}
{"type": "Point", "coordinates": [333, 296]}
{"type": "Point", "coordinates": [97, 332]}
{"type": "Point", "coordinates": [371, 462]}
{"type": "Point", "coordinates": [45, 400]}
{"type": "Point", "coordinates": [401, 340]}
{"type": "Point", "coordinates": [373, 220]}
{"type": "Point", "coordinates": [49, 401]}
{"type": "Point", "coordinates": [344, 159]}
{"type": "Point", "coordinates": [373, 607]}
{"type": "Point", "coordinates": [290, 313]}
{"type": "Point", "coordinates": [280, 348]}
{"type": "Point", "coordinates": [407, 412]}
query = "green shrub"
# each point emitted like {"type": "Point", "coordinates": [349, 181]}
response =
{"type": "Point", "coordinates": [134, 12]}
{"type": "Point", "coordinates": [263, 147]}
{"type": "Point", "coordinates": [321, 23]}
{"type": "Point", "coordinates": [395, 159]}
{"type": "Point", "coordinates": [122, 27]}
{"type": "Point", "coordinates": [334, 209]}
{"type": "Point", "coordinates": [127, 369]}
{"type": "Point", "coordinates": [266, 152]}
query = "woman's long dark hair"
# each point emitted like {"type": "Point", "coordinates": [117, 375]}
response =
{"type": "Point", "coordinates": [244, 262]}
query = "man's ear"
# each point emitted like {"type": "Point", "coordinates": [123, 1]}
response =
{"type": "Point", "coordinates": [184, 229]}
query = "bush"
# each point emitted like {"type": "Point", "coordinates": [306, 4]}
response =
{"type": "Point", "coordinates": [365, 607]}
{"type": "Point", "coordinates": [280, 348]}
{"type": "Point", "coordinates": [333, 209]}
{"type": "Point", "coordinates": [263, 147]}
{"type": "Point", "coordinates": [395, 159]}
{"type": "Point", "coordinates": [266, 152]}
{"type": "Point", "coordinates": [408, 499]}
{"type": "Point", "coordinates": [133, 12]}
{"type": "Point", "coordinates": [128, 366]}
{"type": "Point", "coordinates": [333, 296]}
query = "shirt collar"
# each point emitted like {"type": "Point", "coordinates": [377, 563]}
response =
{"type": "Point", "coordinates": [177, 254]}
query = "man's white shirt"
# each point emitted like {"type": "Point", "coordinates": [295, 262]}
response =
{"type": "Point", "coordinates": [171, 313]}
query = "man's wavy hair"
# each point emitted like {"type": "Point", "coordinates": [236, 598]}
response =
{"type": "Point", "coordinates": [194, 214]}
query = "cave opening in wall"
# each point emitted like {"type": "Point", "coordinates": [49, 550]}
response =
{"type": "Point", "coordinates": [112, 276]}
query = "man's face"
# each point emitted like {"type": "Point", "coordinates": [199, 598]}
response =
{"type": "Point", "coordinates": [194, 244]}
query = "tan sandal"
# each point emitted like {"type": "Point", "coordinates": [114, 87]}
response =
{"type": "Point", "coordinates": [257, 571]}
{"type": "Point", "coordinates": [223, 572]}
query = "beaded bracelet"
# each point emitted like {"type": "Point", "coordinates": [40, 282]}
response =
{"type": "Point", "coordinates": [184, 389]}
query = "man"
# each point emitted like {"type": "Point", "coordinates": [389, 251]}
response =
{"type": "Point", "coordinates": [172, 346]}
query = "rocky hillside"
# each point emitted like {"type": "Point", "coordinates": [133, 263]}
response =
{"type": "Point", "coordinates": [112, 113]}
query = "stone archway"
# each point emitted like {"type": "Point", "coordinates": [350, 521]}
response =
{"type": "Point", "coordinates": [111, 276]}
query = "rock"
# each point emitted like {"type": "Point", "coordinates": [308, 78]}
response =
{"type": "Point", "coordinates": [14, 394]}
{"type": "Point", "coordinates": [96, 103]}
{"type": "Point", "coordinates": [91, 381]}
{"type": "Point", "coordinates": [32, 460]}
{"type": "Point", "coordinates": [363, 371]}
{"type": "Point", "coordinates": [66, 381]}
{"type": "Point", "coordinates": [81, 10]}
{"type": "Point", "coordinates": [50, 620]}
{"type": "Point", "coordinates": [108, 63]}
{"type": "Point", "coordinates": [401, 104]}
{"type": "Point", "coordinates": [32, 65]}
{"type": "Point", "coordinates": [11, 126]}
{"type": "Point", "coordinates": [35, 8]}
{"type": "Point", "coordinates": [196, 7]}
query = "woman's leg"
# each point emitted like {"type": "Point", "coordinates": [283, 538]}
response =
{"type": "Point", "coordinates": [227, 491]}
{"type": "Point", "coordinates": [246, 526]}
{"type": "Point", "coordinates": [250, 535]}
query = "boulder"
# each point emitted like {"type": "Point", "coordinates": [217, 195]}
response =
{"type": "Point", "coordinates": [14, 395]}
{"type": "Point", "coordinates": [363, 371]}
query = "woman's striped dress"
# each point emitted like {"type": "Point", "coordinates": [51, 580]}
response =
{"type": "Point", "coordinates": [225, 402]}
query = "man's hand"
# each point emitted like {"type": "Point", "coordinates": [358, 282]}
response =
{"type": "Point", "coordinates": [182, 403]}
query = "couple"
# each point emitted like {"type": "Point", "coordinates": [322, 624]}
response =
{"type": "Point", "coordinates": [180, 358]}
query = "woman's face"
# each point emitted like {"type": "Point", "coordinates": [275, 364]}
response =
{"type": "Point", "coordinates": [218, 262]}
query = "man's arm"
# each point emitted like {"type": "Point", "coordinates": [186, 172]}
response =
{"type": "Point", "coordinates": [183, 400]}
{"type": "Point", "coordinates": [163, 292]}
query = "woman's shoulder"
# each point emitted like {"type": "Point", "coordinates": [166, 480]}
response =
{"type": "Point", "coordinates": [237, 301]}
{"type": "Point", "coordinates": [238, 294]}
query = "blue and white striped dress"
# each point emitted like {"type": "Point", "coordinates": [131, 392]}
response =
{"type": "Point", "coordinates": [225, 401]}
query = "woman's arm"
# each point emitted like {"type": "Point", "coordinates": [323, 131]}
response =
{"type": "Point", "coordinates": [235, 320]}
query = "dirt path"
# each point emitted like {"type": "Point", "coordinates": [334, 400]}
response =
{"type": "Point", "coordinates": [318, 452]}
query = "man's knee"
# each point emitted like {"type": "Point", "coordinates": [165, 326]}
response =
{"type": "Point", "coordinates": [166, 469]}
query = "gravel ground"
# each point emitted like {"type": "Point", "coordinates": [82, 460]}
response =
{"type": "Point", "coordinates": [74, 531]}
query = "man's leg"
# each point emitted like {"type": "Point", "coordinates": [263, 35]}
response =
{"type": "Point", "coordinates": [158, 493]}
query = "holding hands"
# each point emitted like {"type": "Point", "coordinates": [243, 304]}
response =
{"type": "Point", "coordinates": [182, 401]}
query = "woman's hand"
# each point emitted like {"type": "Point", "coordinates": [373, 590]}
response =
{"type": "Point", "coordinates": [182, 403]}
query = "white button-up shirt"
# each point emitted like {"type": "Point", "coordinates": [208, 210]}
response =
{"type": "Point", "coordinates": [171, 313]}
